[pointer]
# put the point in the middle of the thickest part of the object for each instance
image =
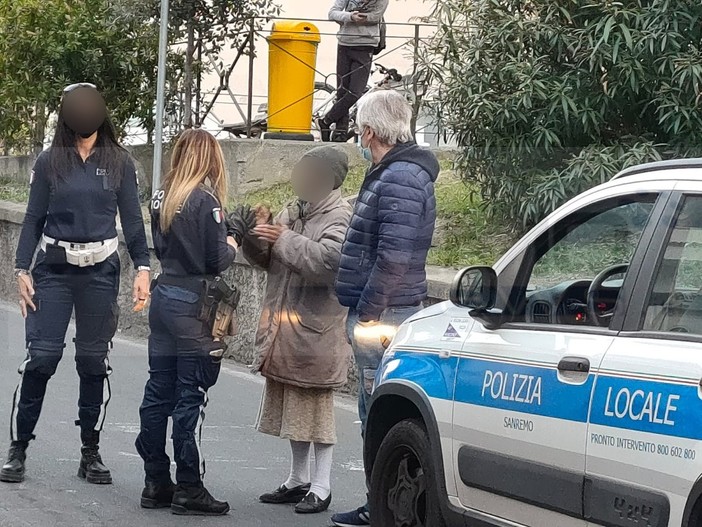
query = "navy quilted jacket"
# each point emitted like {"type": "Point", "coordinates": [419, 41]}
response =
{"type": "Point", "coordinates": [384, 256]}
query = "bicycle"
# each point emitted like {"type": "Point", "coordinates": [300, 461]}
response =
{"type": "Point", "coordinates": [392, 80]}
{"type": "Point", "coordinates": [259, 123]}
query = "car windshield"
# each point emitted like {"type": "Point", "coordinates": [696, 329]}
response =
{"type": "Point", "coordinates": [604, 240]}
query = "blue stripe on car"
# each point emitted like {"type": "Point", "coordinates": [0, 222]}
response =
{"type": "Point", "coordinates": [629, 404]}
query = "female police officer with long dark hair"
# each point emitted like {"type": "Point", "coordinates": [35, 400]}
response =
{"type": "Point", "coordinates": [77, 188]}
{"type": "Point", "coordinates": [192, 243]}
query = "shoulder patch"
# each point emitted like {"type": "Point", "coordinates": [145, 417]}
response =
{"type": "Point", "coordinates": [31, 177]}
{"type": "Point", "coordinates": [218, 215]}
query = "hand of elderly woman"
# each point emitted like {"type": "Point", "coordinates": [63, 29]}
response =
{"type": "Point", "coordinates": [270, 233]}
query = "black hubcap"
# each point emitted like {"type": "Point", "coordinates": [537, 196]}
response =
{"type": "Point", "coordinates": [407, 497]}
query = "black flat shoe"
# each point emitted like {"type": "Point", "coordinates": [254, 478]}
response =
{"type": "Point", "coordinates": [312, 504]}
{"type": "Point", "coordinates": [285, 495]}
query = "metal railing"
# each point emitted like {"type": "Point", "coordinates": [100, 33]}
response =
{"type": "Point", "coordinates": [403, 42]}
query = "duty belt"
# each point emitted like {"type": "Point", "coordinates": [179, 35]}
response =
{"type": "Point", "coordinates": [83, 254]}
{"type": "Point", "coordinates": [195, 283]}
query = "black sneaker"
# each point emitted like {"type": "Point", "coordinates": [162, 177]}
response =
{"type": "Point", "coordinates": [91, 467]}
{"type": "Point", "coordinates": [324, 130]}
{"type": "Point", "coordinates": [157, 495]}
{"type": "Point", "coordinates": [197, 501]}
{"type": "Point", "coordinates": [312, 504]}
{"type": "Point", "coordinates": [13, 469]}
{"type": "Point", "coordinates": [285, 495]}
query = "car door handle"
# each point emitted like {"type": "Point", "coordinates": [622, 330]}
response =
{"type": "Point", "coordinates": [574, 365]}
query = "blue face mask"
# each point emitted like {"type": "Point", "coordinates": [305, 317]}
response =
{"type": "Point", "coordinates": [364, 150]}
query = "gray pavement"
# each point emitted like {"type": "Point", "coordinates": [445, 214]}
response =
{"type": "Point", "coordinates": [241, 463]}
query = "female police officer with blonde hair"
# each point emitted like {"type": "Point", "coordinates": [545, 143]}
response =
{"type": "Point", "coordinates": [192, 243]}
{"type": "Point", "coordinates": [77, 188]}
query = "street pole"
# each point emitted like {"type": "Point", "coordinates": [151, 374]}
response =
{"type": "Point", "coordinates": [160, 96]}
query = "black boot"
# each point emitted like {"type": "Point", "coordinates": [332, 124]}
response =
{"type": "Point", "coordinates": [324, 130]}
{"type": "Point", "coordinates": [197, 501]}
{"type": "Point", "coordinates": [13, 470]}
{"type": "Point", "coordinates": [91, 466]}
{"type": "Point", "coordinates": [157, 495]}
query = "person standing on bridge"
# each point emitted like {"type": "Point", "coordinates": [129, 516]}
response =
{"type": "Point", "coordinates": [77, 188]}
{"type": "Point", "coordinates": [193, 243]}
{"type": "Point", "coordinates": [302, 350]}
{"type": "Point", "coordinates": [382, 277]}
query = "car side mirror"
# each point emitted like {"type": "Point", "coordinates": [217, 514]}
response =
{"type": "Point", "coordinates": [475, 288]}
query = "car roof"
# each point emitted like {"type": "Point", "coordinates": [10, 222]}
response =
{"type": "Point", "coordinates": [672, 164]}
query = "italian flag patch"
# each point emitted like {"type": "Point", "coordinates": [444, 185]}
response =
{"type": "Point", "coordinates": [218, 215]}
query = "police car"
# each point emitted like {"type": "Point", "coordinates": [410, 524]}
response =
{"type": "Point", "coordinates": [563, 387]}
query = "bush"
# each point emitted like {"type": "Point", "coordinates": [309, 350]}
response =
{"type": "Point", "coordinates": [550, 97]}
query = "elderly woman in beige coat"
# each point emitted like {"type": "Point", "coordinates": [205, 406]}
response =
{"type": "Point", "coordinates": [303, 352]}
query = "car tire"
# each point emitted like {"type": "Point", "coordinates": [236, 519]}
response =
{"type": "Point", "coordinates": [403, 489]}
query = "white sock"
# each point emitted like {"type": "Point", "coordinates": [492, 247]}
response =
{"type": "Point", "coordinates": [321, 480]}
{"type": "Point", "coordinates": [300, 465]}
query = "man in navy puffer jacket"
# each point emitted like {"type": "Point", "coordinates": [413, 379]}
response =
{"type": "Point", "coordinates": [382, 276]}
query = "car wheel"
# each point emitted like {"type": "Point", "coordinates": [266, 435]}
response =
{"type": "Point", "coordinates": [403, 483]}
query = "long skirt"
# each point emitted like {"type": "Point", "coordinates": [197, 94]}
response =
{"type": "Point", "coordinates": [298, 414]}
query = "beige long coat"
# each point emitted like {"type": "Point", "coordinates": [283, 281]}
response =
{"type": "Point", "coordinates": [301, 339]}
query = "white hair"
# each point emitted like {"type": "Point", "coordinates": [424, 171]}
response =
{"type": "Point", "coordinates": [388, 114]}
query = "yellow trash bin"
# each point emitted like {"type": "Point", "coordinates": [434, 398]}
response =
{"type": "Point", "coordinates": [291, 71]}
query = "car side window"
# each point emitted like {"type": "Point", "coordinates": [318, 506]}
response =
{"type": "Point", "coordinates": [593, 244]}
{"type": "Point", "coordinates": [606, 239]}
{"type": "Point", "coordinates": [675, 301]}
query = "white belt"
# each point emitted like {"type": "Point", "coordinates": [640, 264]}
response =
{"type": "Point", "coordinates": [84, 254]}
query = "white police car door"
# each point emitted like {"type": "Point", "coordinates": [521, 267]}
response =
{"type": "Point", "coordinates": [523, 390]}
{"type": "Point", "coordinates": [644, 445]}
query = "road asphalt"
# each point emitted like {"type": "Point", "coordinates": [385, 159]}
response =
{"type": "Point", "coordinates": [241, 463]}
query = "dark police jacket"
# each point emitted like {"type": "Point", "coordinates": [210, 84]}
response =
{"type": "Point", "coordinates": [196, 243]}
{"type": "Point", "coordinates": [81, 207]}
{"type": "Point", "coordinates": [384, 256]}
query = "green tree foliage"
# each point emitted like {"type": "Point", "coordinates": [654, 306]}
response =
{"type": "Point", "coordinates": [221, 23]}
{"type": "Point", "coordinates": [207, 29]}
{"type": "Point", "coordinates": [549, 97]}
{"type": "Point", "coordinates": [48, 44]}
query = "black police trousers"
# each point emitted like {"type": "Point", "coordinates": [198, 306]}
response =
{"type": "Point", "coordinates": [181, 371]}
{"type": "Point", "coordinates": [92, 292]}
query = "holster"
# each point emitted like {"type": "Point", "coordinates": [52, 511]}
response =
{"type": "Point", "coordinates": [218, 308]}
{"type": "Point", "coordinates": [225, 323]}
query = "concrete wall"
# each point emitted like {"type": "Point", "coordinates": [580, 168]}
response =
{"type": "Point", "coordinates": [16, 167]}
{"type": "Point", "coordinates": [252, 163]}
{"type": "Point", "coordinates": [251, 281]}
